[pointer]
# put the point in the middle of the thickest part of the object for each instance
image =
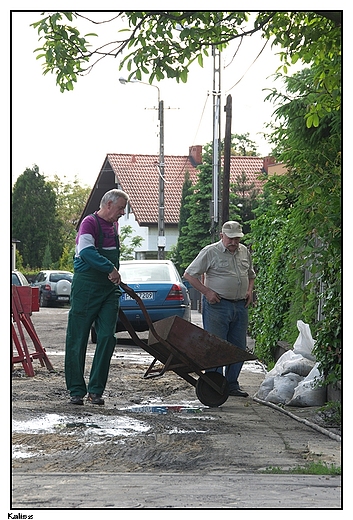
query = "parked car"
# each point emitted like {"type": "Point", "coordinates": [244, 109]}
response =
{"type": "Point", "coordinates": [54, 287]}
{"type": "Point", "coordinates": [160, 287]}
{"type": "Point", "coordinates": [19, 278]}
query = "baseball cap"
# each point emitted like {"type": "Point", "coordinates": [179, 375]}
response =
{"type": "Point", "coordinates": [232, 229]}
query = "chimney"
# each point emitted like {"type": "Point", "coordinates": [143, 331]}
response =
{"type": "Point", "coordinates": [195, 154]}
{"type": "Point", "coordinates": [267, 161]}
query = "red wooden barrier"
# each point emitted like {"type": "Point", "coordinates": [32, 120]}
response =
{"type": "Point", "coordinates": [25, 300]}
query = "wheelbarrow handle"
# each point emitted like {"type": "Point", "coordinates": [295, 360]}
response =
{"type": "Point", "coordinates": [169, 348]}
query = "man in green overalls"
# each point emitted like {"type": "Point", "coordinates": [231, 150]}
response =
{"type": "Point", "coordinates": [95, 297]}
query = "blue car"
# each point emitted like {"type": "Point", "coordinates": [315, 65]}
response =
{"type": "Point", "coordinates": [160, 287]}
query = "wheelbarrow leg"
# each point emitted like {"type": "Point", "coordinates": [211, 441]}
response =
{"type": "Point", "coordinates": [157, 372]}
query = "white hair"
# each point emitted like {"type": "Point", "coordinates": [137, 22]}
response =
{"type": "Point", "coordinates": [113, 195]}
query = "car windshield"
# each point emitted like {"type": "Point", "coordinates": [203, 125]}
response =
{"type": "Point", "coordinates": [144, 273]}
{"type": "Point", "coordinates": [55, 277]}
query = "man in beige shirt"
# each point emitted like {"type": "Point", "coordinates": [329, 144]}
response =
{"type": "Point", "coordinates": [223, 273]}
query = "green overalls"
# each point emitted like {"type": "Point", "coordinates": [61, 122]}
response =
{"type": "Point", "coordinates": [94, 298]}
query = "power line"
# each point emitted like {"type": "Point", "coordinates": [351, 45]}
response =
{"type": "Point", "coordinates": [247, 70]}
{"type": "Point", "coordinates": [193, 143]}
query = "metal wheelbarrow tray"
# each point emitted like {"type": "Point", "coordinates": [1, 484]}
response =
{"type": "Point", "coordinates": [187, 349]}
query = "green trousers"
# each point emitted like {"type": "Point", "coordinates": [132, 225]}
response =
{"type": "Point", "coordinates": [92, 300]}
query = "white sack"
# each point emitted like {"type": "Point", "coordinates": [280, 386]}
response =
{"type": "Point", "coordinates": [265, 387]}
{"type": "Point", "coordinates": [283, 388]}
{"type": "Point", "coordinates": [304, 343]}
{"type": "Point", "coordinates": [308, 393]}
{"type": "Point", "coordinates": [301, 366]}
{"type": "Point", "coordinates": [287, 356]}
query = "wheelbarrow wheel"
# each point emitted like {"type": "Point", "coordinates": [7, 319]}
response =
{"type": "Point", "coordinates": [208, 395]}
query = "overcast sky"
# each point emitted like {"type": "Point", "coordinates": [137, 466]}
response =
{"type": "Point", "coordinates": [70, 133]}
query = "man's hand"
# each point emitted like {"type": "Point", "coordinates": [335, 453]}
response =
{"type": "Point", "coordinates": [114, 276]}
{"type": "Point", "coordinates": [248, 298]}
{"type": "Point", "coordinates": [212, 296]}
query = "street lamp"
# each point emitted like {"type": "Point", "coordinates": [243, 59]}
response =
{"type": "Point", "coordinates": [161, 240]}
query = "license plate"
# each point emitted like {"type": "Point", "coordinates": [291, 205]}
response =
{"type": "Point", "coordinates": [63, 298]}
{"type": "Point", "coordinates": [144, 295]}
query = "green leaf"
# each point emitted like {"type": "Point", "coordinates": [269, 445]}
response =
{"type": "Point", "coordinates": [316, 120]}
{"type": "Point", "coordinates": [184, 75]}
{"type": "Point", "coordinates": [200, 60]}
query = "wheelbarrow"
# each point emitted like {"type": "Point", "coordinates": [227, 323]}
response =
{"type": "Point", "coordinates": [187, 350]}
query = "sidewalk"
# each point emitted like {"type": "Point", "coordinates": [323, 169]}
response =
{"type": "Point", "coordinates": [177, 491]}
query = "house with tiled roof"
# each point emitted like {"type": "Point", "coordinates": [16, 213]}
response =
{"type": "Point", "coordinates": [139, 175]}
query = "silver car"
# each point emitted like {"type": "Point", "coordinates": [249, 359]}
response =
{"type": "Point", "coordinates": [54, 287]}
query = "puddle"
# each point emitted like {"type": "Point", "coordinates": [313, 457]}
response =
{"type": "Point", "coordinates": [254, 366]}
{"type": "Point", "coordinates": [18, 453]}
{"type": "Point", "coordinates": [164, 409]}
{"type": "Point", "coordinates": [178, 431]}
{"type": "Point", "coordinates": [45, 424]}
{"type": "Point", "coordinates": [143, 358]}
{"type": "Point", "coordinates": [93, 432]}
{"type": "Point", "coordinates": [102, 425]}
{"type": "Point", "coordinates": [95, 429]}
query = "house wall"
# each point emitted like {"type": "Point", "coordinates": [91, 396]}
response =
{"type": "Point", "coordinates": [129, 220]}
{"type": "Point", "coordinates": [278, 169]}
{"type": "Point", "coordinates": [149, 236]}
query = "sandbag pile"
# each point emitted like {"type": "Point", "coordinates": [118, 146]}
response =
{"type": "Point", "coordinates": [294, 380]}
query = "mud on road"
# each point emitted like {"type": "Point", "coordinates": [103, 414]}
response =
{"type": "Point", "coordinates": [148, 425]}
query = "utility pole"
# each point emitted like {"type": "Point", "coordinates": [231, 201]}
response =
{"type": "Point", "coordinates": [161, 239]}
{"type": "Point", "coordinates": [161, 232]}
{"type": "Point", "coordinates": [216, 140]}
{"type": "Point", "coordinates": [226, 163]}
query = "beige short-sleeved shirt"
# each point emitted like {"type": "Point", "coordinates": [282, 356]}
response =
{"type": "Point", "coordinates": [226, 274]}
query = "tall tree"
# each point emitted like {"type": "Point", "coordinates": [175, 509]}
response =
{"type": "Point", "coordinates": [187, 190]}
{"type": "Point", "coordinates": [71, 198]}
{"type": "Point", "coordinates": [197, 233]}
{"type": "Point", "coordinates": [245, 198]}
{"type": "Point", "coordinates": [47, 260]}
{"type": "Point", "coordinates": [242, 145]}
{"type": "Point", "coordinates": [34, 218]}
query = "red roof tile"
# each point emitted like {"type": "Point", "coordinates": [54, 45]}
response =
{"type": "Point", "coordinates": [138, 175]}
{"type": "Point", "coordinates": [251, 166]}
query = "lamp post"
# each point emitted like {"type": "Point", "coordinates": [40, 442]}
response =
{"type": "Point", "coordinates": [161, 239]}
